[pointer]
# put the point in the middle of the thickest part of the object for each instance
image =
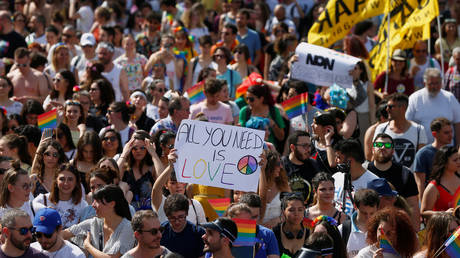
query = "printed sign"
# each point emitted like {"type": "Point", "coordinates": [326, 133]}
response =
{"type": "Point", "coordinates": [218, 155]}
{"type": "Point", "coordinates": [322, 66]}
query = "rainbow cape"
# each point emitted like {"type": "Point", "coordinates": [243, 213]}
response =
{"type": "Point", "coordinates": [219, 205]}
{"type": "Point", "coordinates": [47, 120]}
{"type": "Point", "coordinates": [453, 244]}
{"type": "Point", "coordinates": [196, 93]}
{"type": "Point", "coordinates": [246, 232]}
{"type": "Point", "coordinates": [296, 105]}
{"type": "Point", "coordinates": [385, 243]}
{"type": "Point", "coordinates": [307, 223]}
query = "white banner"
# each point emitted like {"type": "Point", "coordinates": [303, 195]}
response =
{"type": "Point", "coordinates": [323, 66]}
{"type": "Point", "coordinates": [218, 155]}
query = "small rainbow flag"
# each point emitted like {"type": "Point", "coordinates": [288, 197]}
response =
{"type": "Point", "coordinates": [307, 223]}
{"type": "Point", "coordinates": [196, 93]}
{"type": "Point", "coordinates": [246, 232]}
{"type": "Point", "coordinates": [219, 205]}
{"type": "Point", "coordinates": [456, 199]}
{"type": "Point", "coordinates": [453, 244]}
{"type": "Point", "coordinates": [296, 105]}
{"type": "Point", "coordinates": [385, 243]}
{"type": "Point", "coordinates": [47, 120]}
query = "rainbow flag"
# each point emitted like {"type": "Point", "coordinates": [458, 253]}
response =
{"type": "Point", "coordinates": [453, 244]}
{"type": "Point", "coordinates": [252, 79]}
{"type": "Point", "coordinates": [219, 205]}
{"type": "Point", "coordinates": [196, 93]}
{"type": "Point", "coordinates": [385, 243]}
{"type": "Point", "coordinates": [246, 232]}
{"type": "Point", "coordinates": [296, 105]}
{"type": "Point", "coordinates": [47, 120]}
{"type": "Point", "coordinates": [307, 223]}
{"type": "Point", "coordinates": [456, 199]}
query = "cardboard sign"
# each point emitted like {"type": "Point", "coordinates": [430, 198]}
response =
{"type": "Point", "coordinates": [218, 155]}
{"type": "Point", "coordinates": [322, 66]}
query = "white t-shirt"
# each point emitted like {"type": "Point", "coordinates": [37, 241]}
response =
{"type": "Point", "coordinates": [193, 216]}
{"type": "Point", "coordinates": [357, 184]}
{"type": "Point", "coordinates": [221, 115]}
{"type": "Point", "coordinates": [423, 109]}
{"type": "Point", "coordinates": [33, 38]}
{"type": "Point", "coordinates": [291, 11]}
{"type": "Point", "coordinates": [69, 211]}
{"type": "Point", "coordinates": [405, 143]}
{"type": "Point", "coordinates": [25, 207]}
{"type": "Point", "coordinates": [85, 22]}
{"type": "Point", "coordinates": [68, 250]}
{"type": "Point", "coordinates": [356, 240]}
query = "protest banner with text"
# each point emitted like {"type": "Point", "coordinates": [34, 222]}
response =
{"type": "Point", "coordinates": [322, 66]}
{"type": "Point", "coordinates": [218, 155]}
{"type": "Point", "coordinates": [339, 17]}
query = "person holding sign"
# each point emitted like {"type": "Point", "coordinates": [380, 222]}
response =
{"type": "Point", "coordinates": [398, 77]}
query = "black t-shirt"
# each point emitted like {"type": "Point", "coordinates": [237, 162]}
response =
{"type": "Point", "coordinates": [188, 243]}
{"type": "Point", "coordinates": [15, 40]}
{"type": "Point", "coordinates": [31, 252]}
{"type": "Point", "coordinates": [402, 179]}
{"type": "Point", "coordinates": [300, 176]}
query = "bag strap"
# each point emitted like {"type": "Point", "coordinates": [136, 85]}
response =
{"type": "Point", "coordinates": [32, 207]}
{"type": "Point", "coordinates": [346, 230]}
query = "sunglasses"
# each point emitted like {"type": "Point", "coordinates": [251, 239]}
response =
{"type": "Point", "coordinates": [387, 145]}
{"type": "Point", "coordinates": [40, 235]}
{"type": "Point", "coordinates": [161, 89]}
{"type": "Point", "coordinates": [250, 99]}
{"type": "Point", "coordinates": [219, 56]}
{"type": "Point", "coordinates": [109, 138]}
{"type": "Point", "coordinates": [21, 65]}
{"type": "Point", "coordinates": [139, 148]}
{"type": "Point", "coordinates": [23, 231]}
{"type": "Point", "coordinates": [239, 52]}
{"type": "Point", "coordinates": [391, 106]}
{"type": "Point", "coordinates": [153, 231]}
{"type": "Point", "coordinates": [49, 154]}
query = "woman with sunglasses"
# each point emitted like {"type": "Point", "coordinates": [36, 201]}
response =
{"type": "Point", "coordinates": [111, 144]}
{"type": "Point", "coordinates": [241, 57]}
{"type": "Point", "coordinates": [74, 118]}
{"type": "Point", "coordinates": [440, 192]}
{"type": "Point", "coordinates": [167, 184]}
{"type": "Point", "coordinates": [323, 187]}
{"type": "Point", "coordinates": [222, 57]}
{"type": "Point", "coordinates": [63, 83]}
{"type": "Point", "coordinates": [164, 143]}
{"type": "Point", "coordinates": [273, 182]}
{"type": "Point", "coordinates": [261, 104]}
{"type": "Point", "coordinates": [65, 196]}
{"type": "Point", "coordinates": [139, 117]}
{"type": "Point", "coordinates": [118, 115]}
{"type": "Point", "coordinates": [204, 60]}
{"type": "Point", "coordinates": [6, 92]}
{"type": "Point", "coordinates": [157, 106]}
{"type": "Point", "coordinates": [102, 95]}
{"type": "Point", "coordinates": [110, 233]}
{"type": "Point", "coordinates": [15, 146]}
{"type": "Point", "coordinates": [48, 158]}
{"type": "Point", "coordinates": [136, 164]}
{"type": "Point", "coordinates": [89, 152]}
{"type": "Point", "coordinates": [15, 191]}
{"type": "Point", "coordinates": [291, 234]}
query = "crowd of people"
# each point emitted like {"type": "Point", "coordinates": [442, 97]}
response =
{"type": "Point", "coordinates": [377, 159]}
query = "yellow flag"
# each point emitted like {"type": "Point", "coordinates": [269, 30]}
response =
{"type": "Point", "coordinates": [409, 22]}
{"type": "Point", "coordinates": [339, 17]}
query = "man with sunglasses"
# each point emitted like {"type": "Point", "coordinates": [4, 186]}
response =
{"type": "Point", "coordinates": [47, 223]}
{"type": "Point", "coordinates": [17, 229]}
{"type": "Point", "coordinates": [147, 231]}
{"type": "Point", "coordinates": [398, 175]}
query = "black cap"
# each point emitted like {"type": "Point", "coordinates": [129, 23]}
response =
{"type": "Point", "coordinates": [224, 226]}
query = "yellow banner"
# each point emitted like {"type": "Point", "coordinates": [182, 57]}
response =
{"type": "Point", "coordinates": [339, 17]}
{"type": "Point", "coordinates": [409, 22]}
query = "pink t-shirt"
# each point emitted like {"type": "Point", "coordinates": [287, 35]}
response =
{"type": "Point", "coordinates": [221, 115]}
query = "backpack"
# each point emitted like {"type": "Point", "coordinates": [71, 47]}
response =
{"type": "Point", "coordinates": [346, 230]}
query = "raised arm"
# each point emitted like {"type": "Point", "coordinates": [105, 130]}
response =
{"type": "Point", "coordinates": [162, 180]}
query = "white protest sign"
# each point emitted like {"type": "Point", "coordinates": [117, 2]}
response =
{"type": "Point", "coordinates": [218, 155]}
{"type": "Point", "coordinates": [323, 66]}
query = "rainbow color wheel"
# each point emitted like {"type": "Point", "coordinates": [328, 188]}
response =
{"type": "Point", "coordinates": [247, 165]}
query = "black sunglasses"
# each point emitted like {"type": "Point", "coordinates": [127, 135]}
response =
{"type": "Point", "coordinates": [153, 231]}
{"type": "Point", "coordinates": [40, 235]}
{"type": "Point", "coordinates": [23, 231]}
{"type": "Point", "coordinates": [109, 138]}
{"type": "Point", "coordinates": [250, 99]}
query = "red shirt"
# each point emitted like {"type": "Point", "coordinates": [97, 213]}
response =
{"type": "Point", "coordinates": [405, 86]}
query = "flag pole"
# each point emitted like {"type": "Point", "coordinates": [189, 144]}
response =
{"type": "Point", "coordinates": [388, 47]}
{"type": "Point", "coordinates": [440, 46]}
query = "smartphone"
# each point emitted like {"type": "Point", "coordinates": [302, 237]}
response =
{"type": "Point", "coordinates": [47, 132]}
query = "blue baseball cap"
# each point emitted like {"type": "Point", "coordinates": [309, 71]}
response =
{"type": "Point", "coordinates": [381, 186]}
{"type": "Point", "coordinates": [46, 220]}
